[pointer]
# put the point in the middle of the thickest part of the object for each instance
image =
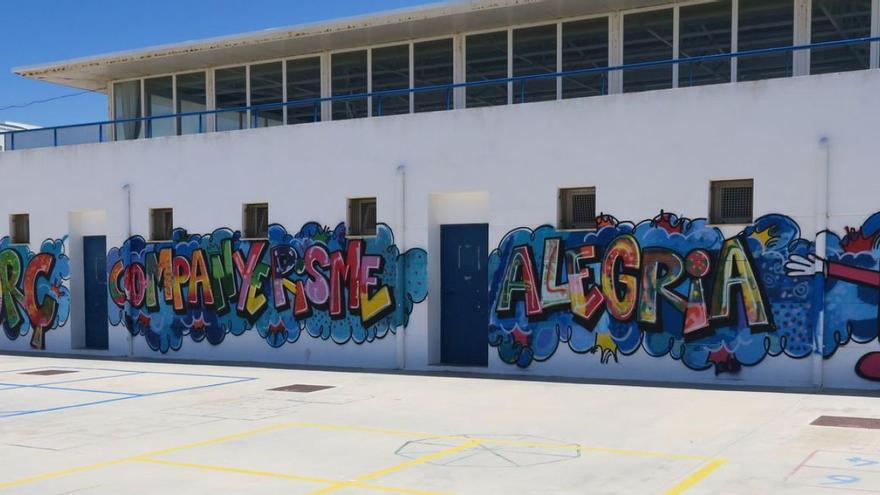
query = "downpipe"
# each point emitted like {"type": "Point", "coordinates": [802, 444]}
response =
{"type": "Point", "coordinates": [400, 221]}
{"type": "Point", "coordinates": [823, 178]}
{"type": "Point", "coordinates": [127, 258]}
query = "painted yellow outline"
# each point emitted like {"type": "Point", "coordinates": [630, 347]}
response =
{"type": "Point", "coordinates": [398, 467]}
{"type": "Point", "coordinates": [291, 477]}
{"type": "Point", "coordinates": [695, 477]}
{"type": "Point", "coordinates": [681, 487]}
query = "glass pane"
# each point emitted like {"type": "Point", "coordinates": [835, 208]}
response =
{"type": "Point", "coordinates": [647, 37]}
{"type": "Point", "coordinates": [159, 99]}
{"type": "Point", "coordinates": [304, 84]}
{"type": "Point", "coordinates": [432, 62]}
{"type": "Point", "coordinates": [390, 72]}
{"type": "Point", "coordinates": [267, 88]}
{"type": "Point", "coordinates": [230, 88]}
{"type": "Point", "coordinates": [486, 60]}
{"type": "Point", "coordinates": [765, 24]}
{"type": "Point", "coordinates": [534, 52]}
{"type": "Point", "coordinates": [191, 97]}
{"type": "Point", "coordinates": [84, 134]}
{"type": "Point", "coordinates": [705, 30]}
{"type": "Point", "coordinates": [585, 46]}
{"type": "Point", "coordinates": [127, 105]}
{"type": "Point", "coordinates": [349, 77]}
{"type": "Point", "coordinates": [841, 20]}
{"type": "Point", "coordinates": [38, 138]}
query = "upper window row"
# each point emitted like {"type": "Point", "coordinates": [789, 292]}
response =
{"type": "Point", "coordinates": [428, 68]}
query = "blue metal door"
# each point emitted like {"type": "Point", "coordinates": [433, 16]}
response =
{"type": "Point", "coordinates": [95, 284]}
{"type": "Point", "coordinates": [464, 282]}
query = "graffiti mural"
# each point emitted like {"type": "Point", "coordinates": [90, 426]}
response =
{"type": "Point", "coordinates": [34, 298]}
{"type": "Point", "coordinates": [316, 281]}
{"type": "Point", "coordinates": [850, 274]}
{"type": "Point", "coordinates": [678, 287]}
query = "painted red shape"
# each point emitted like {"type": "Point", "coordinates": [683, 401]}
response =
{"type": "Point", "coordinates": [868, 366]}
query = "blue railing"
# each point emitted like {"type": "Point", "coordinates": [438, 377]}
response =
{"type": "Point", "coordinates": [256, 116]}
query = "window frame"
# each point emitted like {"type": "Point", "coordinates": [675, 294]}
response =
{"type": "Point", "coordinates": [715, 201]}
{"type": "Point", "coordinates": [13, 238]}
{"type": "Point", "coordinates": [564, 222]}
{"type": "Point", "coordinates": [245, 232]}
{"type": "Point", "coordinates": [152, 219]}
{"type": "Point", "coordinates": [357, 202]}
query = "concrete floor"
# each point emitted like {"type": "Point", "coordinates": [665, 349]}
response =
{"type": "Point", "coordinates": [131, 427]}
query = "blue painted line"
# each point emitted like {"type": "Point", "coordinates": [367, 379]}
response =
{"type": "Point", "coordinates": [66, 389]}
{"type": "Point", "coordinates": [94, 378]}
{"type": "Point", "coordinates": [198, 387]}
{"type": "Point", "coordinates": [123, 395]}
{"type": "Point", "coordinates": [71, 406]}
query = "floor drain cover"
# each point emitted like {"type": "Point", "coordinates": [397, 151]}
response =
{"type": "Point", "coordinates": [302, 389]}
{"type": "Point", "coordinates": [848, 422]}
{"type": "Point", "coordinates": [48, 372]}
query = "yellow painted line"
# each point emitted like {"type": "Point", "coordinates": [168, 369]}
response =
{"type": "Point", "coordinates": [223, 439]}
{"type": "Point", "coordinates": [696, 477]}
{"type": "Point", "coordinates": [283, 476]}
{"type": "Point", "coordinates": [101, 465]}
{"type": "Point", "coordinates": [602, 450]}
{"type": "Point", "coordinates": [396, 468]}
{"type": "Point", "coordinates": [469, 441]}
{"type": "Point", "coordinates": [57, 474]}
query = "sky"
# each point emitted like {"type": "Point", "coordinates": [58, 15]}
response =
{"type": "Point", "coordinates": [40, 31]}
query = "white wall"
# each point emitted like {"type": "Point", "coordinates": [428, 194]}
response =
{"type": "Point", "coordinates": [643, 152]}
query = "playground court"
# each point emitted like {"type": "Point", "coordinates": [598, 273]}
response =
{"type": "Point", "coordinates": [102, 427]}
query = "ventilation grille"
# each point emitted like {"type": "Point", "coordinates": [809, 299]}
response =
{"type": "Point", "coordinates": [732, 202]}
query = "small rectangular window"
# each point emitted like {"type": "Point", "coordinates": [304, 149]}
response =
{"type": "Point", "coordinates": [161, 224]}
{"type": "Point", "coordinates": [20, 228]}
{"type": "Point", "coordinates": [732, 202]}
{"type": "Point", "coordinates": [362, 216]}
{"type": "Point", "coordinates": [255, 220]}
{"type": "Point", "coordinates": [577, 208]}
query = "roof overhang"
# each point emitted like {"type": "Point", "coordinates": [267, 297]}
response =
{"type": "Point", "coordinates": [95, 73]}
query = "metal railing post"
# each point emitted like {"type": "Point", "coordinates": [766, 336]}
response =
{"type": "Point", "coordinates": [55, 137]}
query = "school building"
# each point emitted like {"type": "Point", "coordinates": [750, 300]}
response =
{"type": "Point", "coordinates": [651, 190]}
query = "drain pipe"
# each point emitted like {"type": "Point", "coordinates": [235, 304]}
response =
{"type": "Point", "coordinates": [822, 214]}
{"type": "Point", "coordinates": [400, 221]}
{"type": "Point", "coordinates": [126, 256]}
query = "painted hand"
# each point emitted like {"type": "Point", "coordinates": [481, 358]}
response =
{"type": "Point", "coordinates": [800, 266]}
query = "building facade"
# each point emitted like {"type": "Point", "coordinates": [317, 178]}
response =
{"type": "Point", "coordinates": [409, 190]}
